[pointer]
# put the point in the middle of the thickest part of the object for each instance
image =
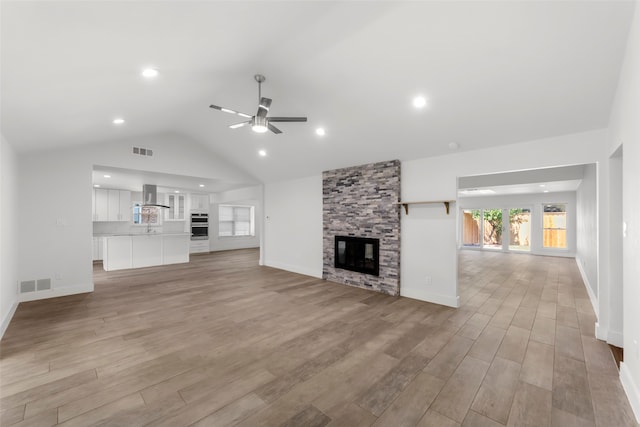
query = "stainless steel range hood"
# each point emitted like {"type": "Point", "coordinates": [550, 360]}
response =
{"type": "Point", "coordinates": [150, 196]}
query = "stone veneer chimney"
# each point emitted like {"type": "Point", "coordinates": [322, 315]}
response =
{"type": "Point", "coordinates": [361, 201]}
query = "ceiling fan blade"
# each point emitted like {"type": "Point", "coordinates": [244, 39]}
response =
{"type": "Point", "coordinates": [263, 108]}
{"type": "Point", "coordinates": [230, 111]}
{"type": "Point", "coordinates": [239, 125]}
{"type": "Point", "coordinates": [287, 119]}
{"type": "Point", "coordinates": [274, 129]}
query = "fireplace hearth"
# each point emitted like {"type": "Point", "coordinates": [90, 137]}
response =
{"type": "Point", "coordinates": [357, 254]}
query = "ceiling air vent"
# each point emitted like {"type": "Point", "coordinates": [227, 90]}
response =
{"type": "Point", "coordinates": [143, 151]}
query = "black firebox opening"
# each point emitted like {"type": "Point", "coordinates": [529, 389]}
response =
{"type": "Point", "coordinates": [357, 254]}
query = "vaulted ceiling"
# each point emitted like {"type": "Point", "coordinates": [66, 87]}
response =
{"type": "Point", "coordinates": [492, 72]}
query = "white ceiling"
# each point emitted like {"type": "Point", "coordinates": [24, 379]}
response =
{"type": "Point", "coordinates": [493, 72]}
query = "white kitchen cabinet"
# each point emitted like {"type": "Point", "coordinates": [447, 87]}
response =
{"type": "Point", "coordinates": [199, 246]}
{"type": "Point", "coordinates": [117, 252]}
{"type": "Point", "coordinates": [124, 213]}
{"type": "Point", "coordinates": [97, 248]}
{"type": "Point", "coordinates": [101, 204]}
{"type": "Point", "coordinates": [146, 250]}
{"type": "Point", "coordinates": [175, 249]}
{"type": "Point", "coordinates": [176, 211]}
{"type": "Point", "coordinates": [111, 205]}
{"type": "Point", "coordinates": [199, 202]}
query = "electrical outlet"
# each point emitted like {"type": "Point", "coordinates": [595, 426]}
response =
{"type": "Point", "coordinates": [428, 280]}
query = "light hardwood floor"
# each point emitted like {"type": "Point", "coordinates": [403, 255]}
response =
{"type": "Point", "coordinates": [222, 341]}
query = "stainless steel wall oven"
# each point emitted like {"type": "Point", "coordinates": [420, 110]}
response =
{"type": "Point", "coordinates": [199, 226]}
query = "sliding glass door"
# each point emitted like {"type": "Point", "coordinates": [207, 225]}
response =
{"type": "Point", "coordinates": [485, 229]}
{"type": "Point", "coordinates": [492, 236]}
{"type": "Point", "coordinates": [471, 228]}
{"type": "Point", "coordinates": [519, 229]}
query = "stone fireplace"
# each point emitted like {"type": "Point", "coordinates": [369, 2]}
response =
{"type": "Point", "coordinates": [361, 226]}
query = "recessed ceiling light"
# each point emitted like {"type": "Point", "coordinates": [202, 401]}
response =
{"type": "Point", "coordinates": [96, 185]}
{"type": "Point", "coordinates": [262, 153]}
{"type": "Point", "coordinates": [320, 132]}
{"type": "Point", "coordinates": [419, 101]}
{"type": "Point", "coordinates": [118, 121]}
{"type": "Point", "coordinates": [201, 185]}
{"type": "Point", "coordinates": [149, 73]}
{"type": "Point", "coordinates": [176, 191]}
{"type": "Point", "coordinates": [545, 191]}
{"type": "Point", "coordinates": [107, 176]}
{"type": "Point", "coordinates": [542, 185]}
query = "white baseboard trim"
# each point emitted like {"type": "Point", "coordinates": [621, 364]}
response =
{"type": "Point", "coordinates": [631, 389]}
{"type": "Point", "coordinates": [592, 296]}
{"type": "Point", "coordinates": [422, 295]}
{"type": "Point", "coordinates": [56, 292]}
{"type": "Point", "coordinates": [615, 338]}
{"type": "Point", "coordinates": [601, 333]}
{"type": "Point", "coordinates": [7, 319]}
{"type": "Point", "coordinates": [295, 269]}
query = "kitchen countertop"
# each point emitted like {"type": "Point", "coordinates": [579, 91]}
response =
{"type": "Point", "coordinates": [141, 234]}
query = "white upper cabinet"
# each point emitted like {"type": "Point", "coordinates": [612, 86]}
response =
{"type": "Point", "coordinates": [101, 205]}
{"type": "Point", "coordinates": [200, 202]}
{"type": "Point", "coordinates": [177, 207]}
{"type": "Point", "coordinates": [124, 214]}
{"type": "Point", "coordinates": [111, 205]}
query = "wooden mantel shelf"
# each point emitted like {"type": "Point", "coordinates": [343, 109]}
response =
{"type": "Point", "coordinates": [405, 205]}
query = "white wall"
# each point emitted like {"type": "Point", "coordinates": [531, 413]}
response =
{"type": "Point", "coordinates": [293, 225]}
{"type": "Point", "coordinates": [615, 254]}
{"type": "Point", "coordinates": [55, 202]}
{"type": "Point", "coordinates": [535, 203]}
{"type": "Point", "coordinates": [587, 238]}
{"type": "Point", "coordinates": [8, 233]}
{"type": "Point", "coordinates": [624, 129]}
{"type": "Point", "coordinates": [250, 196]}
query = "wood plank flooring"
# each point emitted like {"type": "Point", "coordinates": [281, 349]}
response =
{"type": "Point", "coordinates": [222, 341]}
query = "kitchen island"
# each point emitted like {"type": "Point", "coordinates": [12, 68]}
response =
{"type": "Point", "coordinates": [144, 250]}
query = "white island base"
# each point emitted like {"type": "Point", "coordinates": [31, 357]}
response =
{"type": "Point", "coordinates": [144, 250]}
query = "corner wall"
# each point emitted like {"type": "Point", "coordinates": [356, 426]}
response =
{"type": "Point", "coordinates": [8, 233]}
{"type": "Point", "coordinates": [587, 231]}
{"type": "Point", "coordinates": [293, 225]}
{"type": "Point", "coordinates": [624, 129]}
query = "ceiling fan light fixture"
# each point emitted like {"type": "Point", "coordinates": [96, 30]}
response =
{"type": "Point", "coordinates": [149, 73]}
{"type": "Point", "coordinates": [259, 124]}
{"type": "Point", "coordinates": [419, 101]}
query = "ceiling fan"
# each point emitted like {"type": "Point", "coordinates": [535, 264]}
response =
{"type": "Point", "coordinates": [260, 122]}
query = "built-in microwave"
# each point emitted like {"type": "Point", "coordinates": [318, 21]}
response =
{"type": "Point", "coordinates": [199, 226]}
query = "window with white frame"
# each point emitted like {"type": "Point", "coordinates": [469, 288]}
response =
{"type": "Point", "coordinates": [554, 226]}
{"type": "Point", "coordinates": [236, 220]}
{"type": "Point", "coordinates": [146, 215]}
